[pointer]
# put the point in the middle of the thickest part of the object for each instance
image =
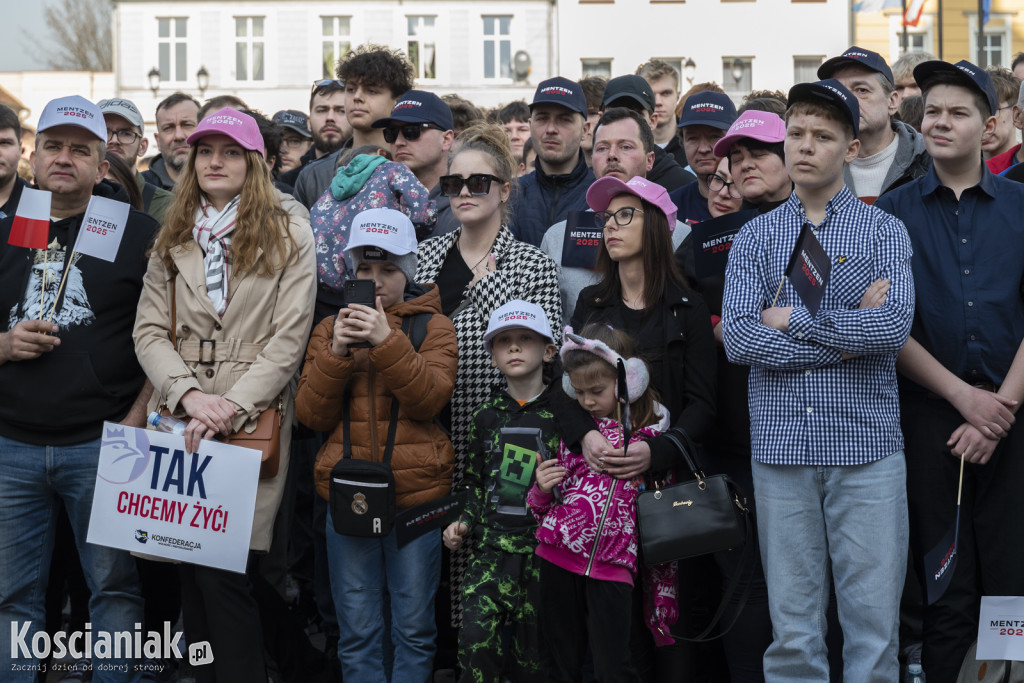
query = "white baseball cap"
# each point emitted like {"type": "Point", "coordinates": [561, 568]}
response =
{"type": "Point", "coordinates": [73, 110]}
{"type": "Point", "coordinates": [126, 109]}
{"type": "Point", "coordinates": [518, 314]}
{"type": "Point", "coordinates": [386, 229]}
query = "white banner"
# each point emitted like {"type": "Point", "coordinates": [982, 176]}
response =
{"type": "Point", "coordinates": [1001, 628]}
{"type": "Point", "coordinates": [102, 228]}
{"type": "Point", "coordinates": [154, 498]}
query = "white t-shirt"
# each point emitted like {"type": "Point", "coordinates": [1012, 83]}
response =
{"type": "Point", "coordinates": [869, 173]}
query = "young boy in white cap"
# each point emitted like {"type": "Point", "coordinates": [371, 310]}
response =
{"type": "Point", "coordinates": [510, 435]}
{"type": "Point", "coordinates": [349, 391]}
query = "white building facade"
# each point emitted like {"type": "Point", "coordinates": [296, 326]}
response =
{"type": "Point", "coordinates": [270, 53]}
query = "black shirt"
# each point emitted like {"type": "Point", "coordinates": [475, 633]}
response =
{"type": "Point", "coordinates": [452, 280]}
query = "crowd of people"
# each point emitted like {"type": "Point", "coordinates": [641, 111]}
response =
{"type": "Point", "coordinates": [545, 336]}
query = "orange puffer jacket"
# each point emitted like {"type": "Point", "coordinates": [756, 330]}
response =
{"type": "Point", "coordinates": [422, 382]}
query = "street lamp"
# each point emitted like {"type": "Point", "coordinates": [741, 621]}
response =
{"type": "Point", "coordinates": [154, 80]}
{"type": "Point", "coordinates": [203, 79]}
{"type": "Point", "coordinates": [689, 70]}
{"type": "Point", "coordinates": [737, 70]}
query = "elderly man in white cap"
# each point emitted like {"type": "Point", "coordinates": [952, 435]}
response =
{"type": "Point", "coordinates": [67, 363]}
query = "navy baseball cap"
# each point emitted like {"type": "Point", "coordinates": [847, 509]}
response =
{"type": "Point", "coordinates": [628, 87]}
{"type": "Point", "coordinates": [563, 92]}
{"type": "Point", "coordinates": [970, 75]}
{"type": "Point", "coordinates": [856, 56]}
{"type": "Point", "coordinates": [829, 90]}
{"type": "Point", "coordinates": [708, 108]}
{"type": "Point", "coordinates": [419, 106]}
{"type": "Point", "coordinates": [293, 120]}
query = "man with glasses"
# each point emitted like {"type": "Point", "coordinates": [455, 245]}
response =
{"type": "Point", "coordinates": [558, 121]}
{"type": "Point", "coordinates": [420, 133]}
{"type": "Point", "coordinates": [125, 138]}
{"type": "Point", "coordinates": [296, 140]}
{"type": "Point", "coordinates": [176, 117]}
{"type": "Point", "coordinates": [633, 92]}
{"type": "Point", "coordinates": [623, 148]}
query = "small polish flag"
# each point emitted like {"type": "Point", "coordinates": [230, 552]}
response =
{"type": "Point", "coordinates": [912, 17]}
{"type": "Point", "coordinates": [32, 220]}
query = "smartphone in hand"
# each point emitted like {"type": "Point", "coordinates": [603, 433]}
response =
{"type": "Point", "coordinates": [363, 292]}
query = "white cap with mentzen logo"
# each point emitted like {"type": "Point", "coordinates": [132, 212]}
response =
{"type": "Point", "coordinates": [518, 314]}
{"type": "Point", "coordinates": [73, 110]}
{"type": "Point", "coordinates": [386, 229]}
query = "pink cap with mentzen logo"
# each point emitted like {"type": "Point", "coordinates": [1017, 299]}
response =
{"type": "Point", "coordinates": [239, 127]}
{"type": "Point", "coordinates": [605, 189]}
{"type": "Point", "coordinates": [756, 125]}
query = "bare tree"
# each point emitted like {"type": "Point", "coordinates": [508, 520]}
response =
{"type": "Point", "coordinates": [81, 32]}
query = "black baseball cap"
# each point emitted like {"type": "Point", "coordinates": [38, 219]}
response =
{"type": "Point", "coordinates": [829, 90]}
{"type": "Point", "coordinates": [293, 120]}
{"type": "Point", "coordinates": [563, 92]}
{"type": "Point", "coordinates": [419, 106]}
{"type": "Point", "coordinates": [630, 87]}
{"type": "Point", "coordinates": [856, 56]}
{"type": "Point", "coordinates": [708, 108]}
{"type": "Point", "coordinates": [970, 75]}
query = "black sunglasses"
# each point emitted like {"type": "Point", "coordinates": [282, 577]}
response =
{"type": "Point", "coordinates": [410, 132]}
{"type": "Point", "coordinates": [324, 82]}
{"type": "Point", "coordinates": [479, 184]}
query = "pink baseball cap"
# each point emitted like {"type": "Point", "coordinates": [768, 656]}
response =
{"type": "Point", "coordinates": [756, 125]}
{"type": "Point", "coordinates": [239, 127]}
{"type": "Point", "coordinates": [604, 189]}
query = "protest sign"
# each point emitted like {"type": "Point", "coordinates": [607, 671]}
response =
{"type": "Point", "coordinates": [430, 516]}
{"type": "Point", "coordinates": [1001, 628]}
{"type": "Point", "coordinates": [153, 497]}
{"type": "Point", "coordinates": [712, 240]}
{"type": "Point", "coordinates": [102, 228]}
{"type": "Point", "coordinates": [582, 240]}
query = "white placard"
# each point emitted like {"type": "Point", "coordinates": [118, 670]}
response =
{"type": "Point", "coordinates": [102, 228]}
{"type": "Point", "coordinates": [1001, 628]}
{"type": "Point", "coordinates": [154, 498]}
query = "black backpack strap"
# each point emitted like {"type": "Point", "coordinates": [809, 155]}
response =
{"type": "Point", "coordinates": [418, 333]}
{"type": "Point", "coordinates": [346, 439]}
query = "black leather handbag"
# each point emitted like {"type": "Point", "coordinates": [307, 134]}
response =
{"type": "Point", "coordinates": [692, 518]}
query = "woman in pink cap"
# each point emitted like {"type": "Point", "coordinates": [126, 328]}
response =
{"type": "Point", "coordinates": [221, 329]}
{"type": "Point", "coordinates": [642, 292]}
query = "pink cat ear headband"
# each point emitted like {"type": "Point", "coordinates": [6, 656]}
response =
{"type": "Point", "coordinates": [637, 376]}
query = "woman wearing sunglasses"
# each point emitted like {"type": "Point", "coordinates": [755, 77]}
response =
{"type": "Point", "coordinates": [220, 331]}
{"type": "Point", "coordinates": [479, 267]}
{"type": "Point", "coordinates": [642, 292]}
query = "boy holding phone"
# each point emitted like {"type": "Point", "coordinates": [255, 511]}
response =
{"type": "Point", "coordinates": [349, 392]}
{"type": "Point", "coordinates": [510, 434]}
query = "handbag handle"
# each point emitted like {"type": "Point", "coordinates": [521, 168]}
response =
{"type": "Point", "coordinates": [677, 437]}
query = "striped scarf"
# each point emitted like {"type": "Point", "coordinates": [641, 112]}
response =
{"type": "Point", "coordinates": [211, 233]}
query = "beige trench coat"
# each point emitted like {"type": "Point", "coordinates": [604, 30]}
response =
{"type": "Point", "coordinates": [274, 312]}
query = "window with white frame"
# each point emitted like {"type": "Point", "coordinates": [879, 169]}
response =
{"type": "Point", "coordinates": [805, 68]}
{"type": "Point", "coordinates": [497, 46]}
{"type": "Point", "coordinates": [172, 48]}
{"type": "Point", "coordinates": [996, 45]}
{"type": "Point", "coordinates": [249, 49]}
{"type": "Point", "coordinates": [597, 67]}
{"type": "Point", "coordinates": [918, 38]}
{"type": "Point", "coordinates": [336, 40]}
{"type": "Point", "coordinates": [992, 49]}
{"type": "Point", "coordinates": [421, 44]}
{"type": "Point", "coordinates": [737, 75]}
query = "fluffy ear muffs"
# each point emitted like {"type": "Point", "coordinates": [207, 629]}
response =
{"type": "Point", "coordinates": [637, 375]}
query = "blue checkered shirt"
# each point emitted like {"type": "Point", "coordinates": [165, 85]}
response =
{"type": "Point", "coordinates": [808, 406]}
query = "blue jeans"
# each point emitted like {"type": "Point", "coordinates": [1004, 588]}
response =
{"type": "Point", "coordinates": [34, 480]}
{"type": "Point", "coordinates": [361, 570]}
{"type": "Point", "coordinates": [847, 524]}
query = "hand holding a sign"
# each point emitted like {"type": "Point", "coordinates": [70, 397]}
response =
{"type": "Point", "coordinates": [969, 442]}
{"type": "Point", "coordinates": [453, 535]}
{"type": "Point", "coordinates": [211, 415]}
{"type": "Point", "coordinates": [777, 317]}
{"type": "Point", "coordinates": [549, 475]}
{"type": "Point", "coordinates": [27, 340]}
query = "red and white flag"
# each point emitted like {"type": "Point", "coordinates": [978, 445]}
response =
{"type": "Point", "coordinates": [32, 220]}
{"type": "Point", "coordinates": [912, 17]}
{"type": "Point", "coordinates": [102, 228]}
